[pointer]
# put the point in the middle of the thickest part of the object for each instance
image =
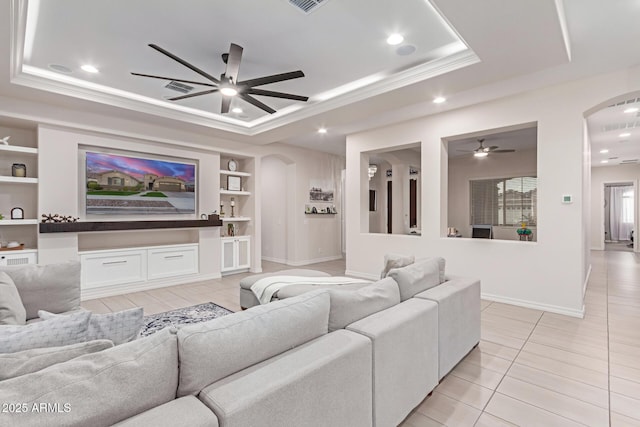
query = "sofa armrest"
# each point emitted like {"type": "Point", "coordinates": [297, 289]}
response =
{"type": "Point", "coordinates": [324, 382]}
{"type": "Point", "coordinates": [185, 411]}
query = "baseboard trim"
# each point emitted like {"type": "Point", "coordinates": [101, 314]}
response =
{"type": "Point", "coordinates": [314, 261]}
{"type": "Point", "coordinates": [535, 306]}
{"type": "Point", "coordinates": [586, 282]}
{"type": "Point", "coordinates": [361, 275]}
{"type": "Point", "coordinates": [126, 288]}
{"type": "Point", "coordinates": [271, 259]}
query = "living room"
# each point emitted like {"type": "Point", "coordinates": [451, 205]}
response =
{"type": "Point", "coordinates": [273, 193]}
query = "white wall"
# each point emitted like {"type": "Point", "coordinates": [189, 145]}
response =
{"type": "Point", "coordinates": [273, 184]}
{"type": "Point", "coordinates": [463, 169]}
{"type": "Point", "coordinates": [547, 274]}
{"type": "Point", "coordinates": [600, 176]}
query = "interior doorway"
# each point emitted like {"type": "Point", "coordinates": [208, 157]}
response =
{"type": "Point", "coordinates": [619, 216]}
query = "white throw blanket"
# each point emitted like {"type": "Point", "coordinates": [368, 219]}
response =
{"type": "Point", "coordinates": [265, 288]}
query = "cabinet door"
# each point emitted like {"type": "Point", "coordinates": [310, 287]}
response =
{"type": "Point", "coordinates": [228, 256]}
{"type": "Point", "coordinates": [18, 259]}
{"type": "Point", "coordinates": [244, 252]}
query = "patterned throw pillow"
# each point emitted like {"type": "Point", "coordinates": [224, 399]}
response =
{"type": "Point", "coordinates": [119, 327]}
{"type": "Point", "coordinates": [12, 311]}
{"type": "Point", "coordinates": [395, 261]}
{"type": "Point", "coordinates": [63, 330]}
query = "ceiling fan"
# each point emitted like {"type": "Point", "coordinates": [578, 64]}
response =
{"type": "Point", "coordinates": [228, 84]}
{"type": "Point", "coordinates": [483, 151]}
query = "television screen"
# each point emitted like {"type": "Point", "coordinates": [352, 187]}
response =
{"type": "Point", "coordinates": [125, 185]}
{"type": "Point", "coordinates": [481, 232]}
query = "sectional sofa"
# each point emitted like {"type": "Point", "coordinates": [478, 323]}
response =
{"type": "Point", "coordinates": [325, 358]}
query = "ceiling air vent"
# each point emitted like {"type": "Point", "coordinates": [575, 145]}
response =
{"type": "Point", "coordinates": [179, 87]}
{"type": "Point", "coordinates": [307, 6]}
{"type": "Point", "coordinates": [621, 126]}
{"type": "Point", "coordinates": [628, 101]}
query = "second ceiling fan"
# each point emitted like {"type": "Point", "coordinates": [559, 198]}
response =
{"type": "Point", "coordinates": [228, 84]}
{"type": "Point", "coordinates": [483, 151]}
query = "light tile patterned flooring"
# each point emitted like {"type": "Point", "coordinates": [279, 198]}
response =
{"type": "Point", "coordinates": [532, 368]}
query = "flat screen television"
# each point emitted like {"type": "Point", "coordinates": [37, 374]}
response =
{"type": "Point", "coordinates": [130, 185]}
{"type": "Point", "coordinates": [481, 231]}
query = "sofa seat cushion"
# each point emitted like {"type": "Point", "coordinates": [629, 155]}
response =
{"type": "Point", "coordinates": [248, 299]}
{"type": "Point", "coordinates": [52, 287]}
{"type": "Point", "coordinates": [419, 276]}
{"type": "Point", "coordinates": [119, 327]}
{"type": "Point", "coordinates": [325, 382]}
{"type": "Point", "coordinates": [348, 306]}
{"type": "Point", "coordinates": [186, 411]}
{"type": "Point", "coordinates": [60, 331]}
{"type": "Point", "coordinates": [212, 350]}
{"type": "Point", "coordinates": [99, 389]}
{"type": "Point", "coordinates": [25, 362]}
{"type": "Point", "coordinates": [458, 302]}
{"type": "Point", "coordinates": [12, 311]}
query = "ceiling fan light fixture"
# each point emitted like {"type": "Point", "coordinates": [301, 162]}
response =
{"type": "Point", "coordinates": [480, 154]}
{"type": "Point", "coordinates": [228, 91]}
{"type": "Point", "coordinates": [372, 171]}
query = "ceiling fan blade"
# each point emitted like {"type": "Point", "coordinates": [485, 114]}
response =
{"type": "Point", "coordinates": [253, 91]}
{"type": "Point", "coordinates": [505, 150]}
{"type": "Point", "coordinates": [172, 79]}
{"type": "Point", "coordinates": [253, 101]}
{"type": "Point", "coordinates": [273, 79]}
{"type": "Point", "coordinates": [191, 95]}
{"type": "Point", "coordinates": [492, 148]}
{"type": "Point", "coordinates": [233, 63]}
{"type": "Point", "coordinates": [226, 103]}
{"type": "Point", "coordinates": [185, 63]}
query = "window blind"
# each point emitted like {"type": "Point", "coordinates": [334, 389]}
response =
{"type": "Point", "coordinates": [504, 201]}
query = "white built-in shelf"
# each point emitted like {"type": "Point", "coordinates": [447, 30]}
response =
{"type": "Point", "coordinates": [236, 173]}
{"type": "Point", "coordinates": [18, 149]}
{"type": "Point", "coordinates": [235, 219]}
{"type": "Point", "coordinates": [18, 222]}
{"type": "Point", "coordinates": [236, 193]}
{"type": "Point", "coordinates": [18, 180]}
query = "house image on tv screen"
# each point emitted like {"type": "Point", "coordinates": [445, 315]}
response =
{"type": "Point", "coordinates": [119, 185]}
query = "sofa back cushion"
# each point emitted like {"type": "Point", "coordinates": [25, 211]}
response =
{"type": "Point", "coordinates": [25, 362]}
{"type": "Point", "coordinates": [348, 306]}
{"type": "Point", "coordinates": [212, 350]}
{"type": "Point", "coordinates": [419, 276]}
{"type": "Point", "coordinates": [12, 311]}
{"type": "Point", "coordinates": [98, 389]}
{"type": "Point", "coordinates": [52, 287]}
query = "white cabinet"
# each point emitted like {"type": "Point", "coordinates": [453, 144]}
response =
{"type": "Point", "coordinates": [20, 257]}
{"type": "Point", "coordinates": [236, 253]}
{"type": "Point", "coordinates": [105, 268]}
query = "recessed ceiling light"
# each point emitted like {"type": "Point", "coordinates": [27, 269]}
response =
{"type": "Point", "coordinates": [439, 100]}
{"type": "Point", "coordinates": [322, 130]}
{"type": "Point", "coordinates": [236, 110]}
{"type": "Point", "coordinates": [89, 68]}
{"type": "Point", "coordinates": [228, 91]}
{"type": "Point", "coordinates": [481, 154]}
{"type": "Point", "coordinates": [604, 151]}
{"type": "Point", "coordinates": [604, 161]}
{"type": "Point", "coordinates": [395, 39]}
{"type": "Point", "coordinates": [631, 110]}
{"type": "Point", "coordinates": [624, 135]}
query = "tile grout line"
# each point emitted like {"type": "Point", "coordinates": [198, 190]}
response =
{"type": "Point", "coordinates": [606, 296]}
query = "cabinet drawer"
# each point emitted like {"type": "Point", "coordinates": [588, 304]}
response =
{"type": "Point", "coordinates": [169, 262]}
{"type": "Point", "coordinates": [113, 268]}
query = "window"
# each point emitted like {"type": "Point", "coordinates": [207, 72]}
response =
{"type": "Point", "coordinates": [504, 201]}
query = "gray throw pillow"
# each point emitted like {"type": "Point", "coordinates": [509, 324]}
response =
{"type": "Point", "coordinates": [348, 306]}
{"type": "Point", "coordinates": [25, 362]}
{"type": "Point", "coordinates": [418, 277]}
{"type": "Point", "coordinates": [395, 261]}
{"type": "Point", "coordinates": [12, 311]}
{"type": "Point", "coordinates": [119, 327]}
{"type": "Point", "coordinates": [62, 330]}
{"type": "Point", "coordinates": [51, 287]}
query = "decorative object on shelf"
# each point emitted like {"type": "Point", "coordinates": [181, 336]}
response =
{"type": "Point", "coordinates": [231, 230]}
{"type": "Point", "coordinates": [389, 173]}
{"type": "Point", "coordinates": [49, 218]}
{"type": "Point", "coordinates": [12, 246]}
{"type": "Point", "coordinates": [233, 205]}
{"type": "Point", "coordinates": [372, 171]}
{"type": "Point", "coordinates": [232, 165]}
{"type": "Point", "coordinates": [17, 213]}
{"type": "Point", "coordinates": [319, 191]}
{"type": "Point", "coordinates": [5, 140]}
{"type": "Point", "coordinates": [1, 217]}
{"type": "Point", "coordinates": [19, 170]}
{"type": "Point", "coordinates": [221, 209]}
{"type": "Point", "coordinates": [525, 233]}
{"type": "Point", "coordinates": [307, 209]}
{"type": "Point", "coordinates": [314, 210]}
{"type": "Point", "coordinates": [234, 183]}
{"type": "Point", "coordinates": [204, 216]}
